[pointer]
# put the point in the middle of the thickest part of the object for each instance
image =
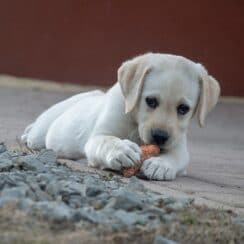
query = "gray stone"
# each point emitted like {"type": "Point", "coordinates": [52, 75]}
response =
{"type": "Point", "coordinates": [91, 180]}
{"type": "Point", "coordinates": [94, 190]}
{"type": "Point", "coordinates": [162, 200]}
{"type": "Point", "coordinates": [47, 156]}
{"type": "Point", "coordinates": [44, 179]}
{"type": "Point", "coordinates": [115, 178]}
{"type": "Point", "coordinates": [105, 196]}
{"type": "Point", "coordinates": [7, 180]}
{"type": "Point", "coordinates": [135, 185]}
{"type": "Point", "coordinates": [54, 211]}
{"type": "Point", "coordinates": [154, 224]}
{"type": "Point", "coordinates": [238, 221]}
{"type": "Point", "coordinates": [130, 218]}
{"type": "Point", "coordinates": [8, 200]}
{"type": "Point", "coordinates": [100, 201]}
{"type": "Point", "coordinates": [112, 185]}
{"type": "Point", "coordinates": [180, 204]}
{"type": "Point", "coordinates": [95, 217]}
{"type": "Point", "coordinates": [75, 178]}
{"type": "Point", "coordinates": [65, 189]}
{"type": "Point", "coordinates": [53, 188]}
{"type": "Point", "coordinates": [59, 171]}
{"type": "Point", "coordinates": [168, 218]}
{"type": "Point", "coordinates": [71, 188]}
{"type": "Point", "coordinates": [42, 196]}
{"type": "Point", "coordinates": [25, 204]}
{"type": "Point", "coordinates": [75, 201]}
{"type": "Point", "coordinates": [42, 185]}
{"type": "Point", "coordinates": [15, 192]}
{"type": "Point", "coordinates": [161, 240]}
{"type": "Point", "coordinates": [126, 200]}
{"type": "Point", "coordinates": [29, 162]}
{"type": "Point", "coordinates": [2, 147]}
{"type": "Point", "coordinates": [6, 162]}
{"type": "Point", "coordinates": [36, 193]}
{"type": "Point", "coordinates": [5, 165]}
{"type": "Point", "coordinates": [154, 212]}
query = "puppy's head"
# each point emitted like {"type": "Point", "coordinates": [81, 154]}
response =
{"type": "Point", "coordinates": [163, 92]}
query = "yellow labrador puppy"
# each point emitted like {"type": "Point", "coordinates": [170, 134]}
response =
{"type": "Point", "coordinates": [153, 101]}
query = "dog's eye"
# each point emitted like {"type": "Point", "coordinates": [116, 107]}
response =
{"type": "Point", "coordinates": [152, 102]}
{"type": "Point", "coordinates": [183, 109]}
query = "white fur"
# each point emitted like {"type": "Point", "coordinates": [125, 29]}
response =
{"type": "Point", "coordinates": [95, 124]}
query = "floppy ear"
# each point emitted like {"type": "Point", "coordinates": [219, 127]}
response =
{"type": "Point", "coordinates": [209, 94]}
{"type": "Point", "coordinates": [131, 76]}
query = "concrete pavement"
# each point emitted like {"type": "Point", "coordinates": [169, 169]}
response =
{"type": "Point", "coordinates": [216, 172]}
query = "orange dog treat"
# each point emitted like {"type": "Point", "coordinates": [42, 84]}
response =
{"type": "Point", "coordinates": [148, 151]}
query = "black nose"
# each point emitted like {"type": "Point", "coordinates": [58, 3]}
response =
{"type": "Point", "coordinates": [160, 136]}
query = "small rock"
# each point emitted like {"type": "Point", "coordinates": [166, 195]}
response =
{"type": "Point", "coordinates": [238, 221]}
{"type": "Point", "coordinates": [42, 196]}
{"type": "Point", "coordinates": [162, 200]}
{"type": "Point", "coordinates": [25, 204]}
{"type": "Point", "coordinates": [53, 188]}
{"type": "Point", "coordinates": [69, 187]}
{"type": "Point", "coordinates": [65, 189]}
{"type": "Point", "coordinates": [7, 180]}
{"type": "Point", "coordinates": [135, 185]}
{"type": "Point", "coordinates": [36, 193]}
{"type": "Point", "coordinates": [162, 240]}
{"type": "Point", "coordinates": [2, 147]}
{"type": "Point", "coordinates": [128, 218]}
{"type": "Point", "coordinates": [154, 224]}
{"type": "Point", "coordinates": [154, 212]}
{"type": "Point", "coordinates": [8, 200]}
{"type": "Point", "coordinates": [126, 200]}
{"type": "Point", "coordinates": [44, 179]}
{"type": "Point", "coordinates": [42, 185]}
{"type": "Point", "coordinates": [112, 185]}
{"type": "Point", "coordinates": [29, 162]}
{"type": "Point", "coordinates": [95, 217]}
{"type": "Point", "coordinates": [115, 178]}
{"type": "Point", "coordinates": [54, 211]}
{"type": "Point", "coordinates": [168, 218]}
{"type": "Point", "coordinates": [59, 171]}
{"type": "Point", "coordinates": [179, 204]}
{"type": "Point", "coordinates": [100, 201]}
{"type": "Point", "coordinates": [6, 165]}
{"type": "Point", "coordinates": [104, 196]}
{"type": "Point", "coordinates": [15, 192]}
{"type": "Point", "coordinates": [75, 201]}
{"type": "Point", "coordinates": [75, 178]}
{"type": "Point", "coordinates": [47, 156]}
{"type": "Point", "coordinates": [91, 180]}
{"type": "Point", "coordinates": [94, 190]}
{"type": "Point", "coordinates": [6, 162]}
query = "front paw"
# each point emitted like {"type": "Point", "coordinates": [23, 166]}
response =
{"type": "Point", "coordinates": [124, 154]}
{"type": "Point", "coordinates": [156, 168]}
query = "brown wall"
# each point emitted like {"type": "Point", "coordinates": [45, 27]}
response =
{"type": "Point", "coordinates": [86, 40]}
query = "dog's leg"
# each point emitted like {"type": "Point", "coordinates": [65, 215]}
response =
{"type": "Point", "coordinates": [168, 165]}
{"type": "Point", "coordinates": [35, 134]}
{"type": "Point", "coordinates": [112, 152]}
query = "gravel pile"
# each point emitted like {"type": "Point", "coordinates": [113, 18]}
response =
{"type": "Point", "coordinates": [51, 194]}
{"type": "Point", "coordinates": [40, 185]}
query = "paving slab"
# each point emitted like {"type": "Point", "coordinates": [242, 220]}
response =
{"type": "Point", "coordinates": [215, 174]}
